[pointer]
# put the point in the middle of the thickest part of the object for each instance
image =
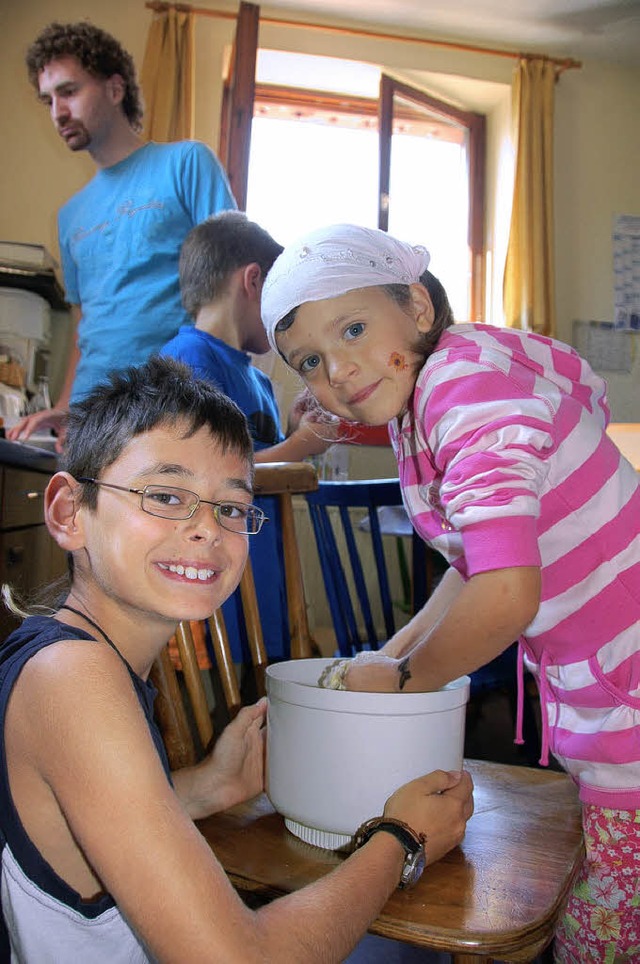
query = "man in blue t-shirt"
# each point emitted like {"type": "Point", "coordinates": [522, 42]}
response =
{"type": "Point", "coordinates": [121, 234]}
{"type": "Point", "coordinates": [223, 263]}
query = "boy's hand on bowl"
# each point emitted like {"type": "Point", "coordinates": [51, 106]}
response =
{"type": "Point", "coordinates": [233, 772]}
{"type": "Point", "coordinates": [437, 805]}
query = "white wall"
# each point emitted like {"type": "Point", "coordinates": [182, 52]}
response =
{"type": "Point", "coordinates": [596, 169]}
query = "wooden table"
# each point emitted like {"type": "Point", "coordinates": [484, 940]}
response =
{"type": "Point", "coordinates": [497, 896]}
{"type": "Point", "coordinates": [626, 436]}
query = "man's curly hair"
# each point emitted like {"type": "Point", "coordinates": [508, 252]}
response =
{"type": "Point", "coordinates": [98, 53]}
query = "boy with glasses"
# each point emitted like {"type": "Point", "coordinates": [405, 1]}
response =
{"type": "Point", "coordinates": [101, 861]}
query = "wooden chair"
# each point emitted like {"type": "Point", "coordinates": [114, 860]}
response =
{"type": "Point", "coordinates": [182, 709]}
{"type": "Point", "coordinates": [284, 480]}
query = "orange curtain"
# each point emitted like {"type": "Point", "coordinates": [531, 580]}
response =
{"type": "Point", "coordinates": [529, 277]}
{"type": "Point", "coordinates": [167, 77]}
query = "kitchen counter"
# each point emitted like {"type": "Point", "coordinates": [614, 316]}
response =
{"type": "Point", "coordinates": [29, 558]}
{"type": "Point", "coordinates": [24, 456]}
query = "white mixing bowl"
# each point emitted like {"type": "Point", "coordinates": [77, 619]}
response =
{"type": "Point", "coordinates": [334, 757]}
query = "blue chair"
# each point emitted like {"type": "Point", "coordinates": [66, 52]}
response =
{"type": "Point", "coordinates": [352, 616]}
{"type": "Point", "coordinates": [350, 594]}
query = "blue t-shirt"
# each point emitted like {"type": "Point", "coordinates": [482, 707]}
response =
{"type": "Point", "coordinates": [234, 374]}
{"type": "Point", "coordinates": [120, 239]}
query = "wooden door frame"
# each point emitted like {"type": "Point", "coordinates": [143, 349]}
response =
{"type": "Point", "coordinates": [237, 102]}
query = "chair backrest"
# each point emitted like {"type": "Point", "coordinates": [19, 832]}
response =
{"type": "Point", "coordinates": [331, 508]}
{"type": "Point", "coordinates": [342, 513]}
{"type": "Point", "coordinates": [284, 480]}
{"type": "Point", "coordinates": [182, 709]}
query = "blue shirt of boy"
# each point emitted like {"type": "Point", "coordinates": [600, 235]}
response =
{"type": "Point", "coordinates": [120, 239]}
{"type": "Point", "coordinates": [233, 373]}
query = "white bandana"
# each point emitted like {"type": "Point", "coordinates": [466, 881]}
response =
{"type": "Point", "coordinates": [330, 261]}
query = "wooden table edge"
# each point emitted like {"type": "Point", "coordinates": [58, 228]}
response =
{"type": "Point", "coordinates": [519, 945]}
{"type": "Point", "coordinates": [516, 946]}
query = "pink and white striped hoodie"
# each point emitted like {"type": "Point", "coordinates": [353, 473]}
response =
{"type": "Point", "coordinates": [504, 461]}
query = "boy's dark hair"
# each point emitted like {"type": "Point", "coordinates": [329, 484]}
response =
{"type": "Point", "coordinates": [217, 247]}
{"type": "Point", "coordinates": [98, 53]}
{"type": "Point", "coordinates": [161, 392]}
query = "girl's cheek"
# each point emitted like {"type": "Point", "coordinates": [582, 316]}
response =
{"type": "Point", "coordinates": [324, 397]}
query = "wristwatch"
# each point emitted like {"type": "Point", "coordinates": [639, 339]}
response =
{"type": "Point", "coordinates": [413, 843]}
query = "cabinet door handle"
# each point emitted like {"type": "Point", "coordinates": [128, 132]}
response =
{"type": "Point", "coordinates": [33, 494]}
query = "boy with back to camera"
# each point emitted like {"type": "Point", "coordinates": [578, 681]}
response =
{"type": "Point", "coordinates": [100, 858]}
{"type": "Point", "coordinates": [223, 264]}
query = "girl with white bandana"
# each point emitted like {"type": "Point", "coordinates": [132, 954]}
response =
{"type": "Point", "coordinates": [507, 470]}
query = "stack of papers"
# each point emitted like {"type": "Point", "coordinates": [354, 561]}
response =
{"type": "Point", "coordinates": [26, 255]}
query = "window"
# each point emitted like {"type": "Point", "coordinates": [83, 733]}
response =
{"type": "Point", "coordinates": [314, 160]}
{"type": "Point", "coordinates": [432, 187]}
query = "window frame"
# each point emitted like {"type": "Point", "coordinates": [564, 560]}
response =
{"type": "Point", "coordinates": [475, 126]}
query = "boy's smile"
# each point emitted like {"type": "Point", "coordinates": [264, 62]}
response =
{"type": "Point", "coordinates": [359, 353]}
{"type": "Point", "coordinates": [189, 572]}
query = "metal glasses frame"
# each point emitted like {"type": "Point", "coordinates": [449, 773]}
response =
{"type": "Point", "coordinates": [254, 513]}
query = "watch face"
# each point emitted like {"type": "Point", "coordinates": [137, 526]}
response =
{"type": "Point", "coordinates": [413, 867]}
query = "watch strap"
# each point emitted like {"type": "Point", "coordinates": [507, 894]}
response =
{"type": "Point", "coordinates": [412, 842]}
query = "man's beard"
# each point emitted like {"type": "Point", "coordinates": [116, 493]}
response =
{"type": "Point", "coordinates": [78, 138]}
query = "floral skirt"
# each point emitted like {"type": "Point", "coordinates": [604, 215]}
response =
{"type": "Point", "coordinates": [601, 922]}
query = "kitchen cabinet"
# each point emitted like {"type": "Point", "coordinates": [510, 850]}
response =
{"type": "Point", "coordinates": [29, 558]}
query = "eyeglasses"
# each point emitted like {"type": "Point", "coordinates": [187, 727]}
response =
{"type": "Point", "coordinates": [167, 502]}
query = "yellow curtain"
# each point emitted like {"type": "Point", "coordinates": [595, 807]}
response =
{"type": "Point", "coordinates": [529, 284]}
{"type": "Point", "coordinates": [167, 77]}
